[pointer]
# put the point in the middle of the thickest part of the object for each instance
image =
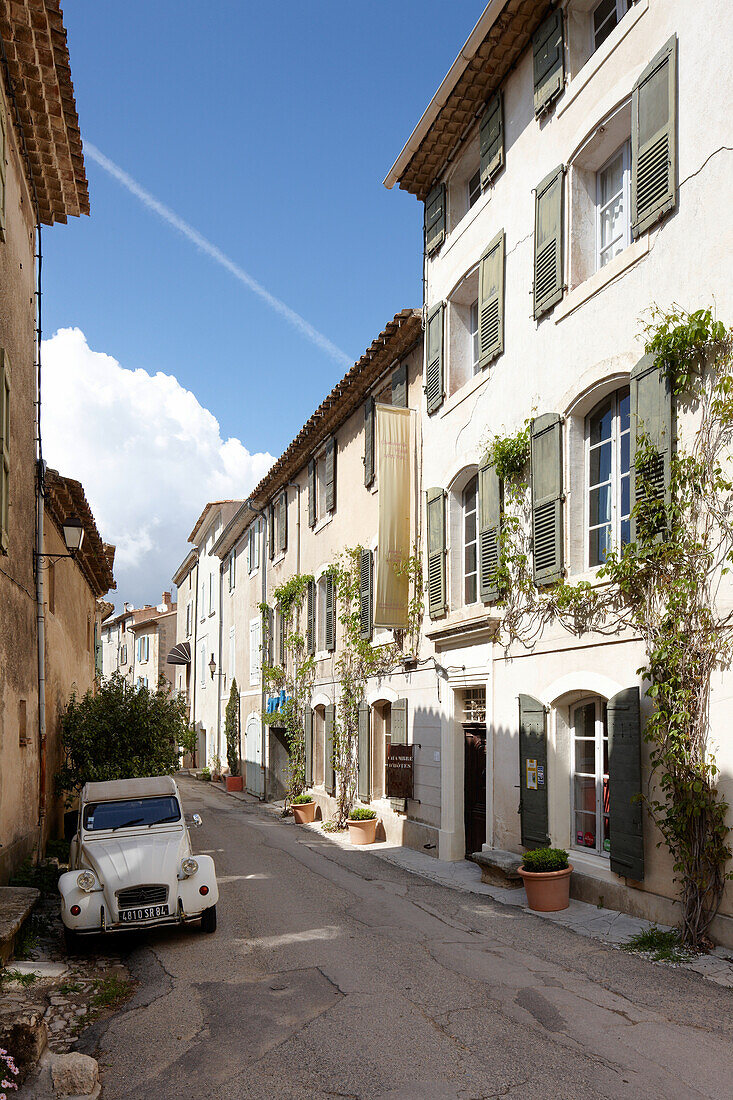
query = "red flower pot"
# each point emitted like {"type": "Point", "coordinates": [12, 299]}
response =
{"type": "Point", "coordinates": [234, 783]}
{"type": "Point", "coordinates": [547, 891]}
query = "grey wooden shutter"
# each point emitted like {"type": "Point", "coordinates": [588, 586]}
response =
{"type": "Point", "coordinates": [491, 301]}
{"type": "Point", "coordinates": [624, 784]}
{"type": "Point", "coordinates": [652, 416]}
{"type": "Point", "coordinates": [364, 786]}
{"type": "Point", "coordinates": [329, 770]}
{"type": "Point", "coordinates": [365, 594]}
{"type": "Point", "coordinates": [308, 735]}
{"type": "Point", "coordinates": [548, 59]}
{"type": "Point", "coordinates": [281, 639]}
{"type": "Point", "coordinates": [491, 139]}
{"type": "Point", "coordinates": [436, 552]}
{"type": "Point", "coordinates": [435, 218]}
{"type": "Point", "coordinates": [547, 497]}
{"type": "Point", "coordinates": [4, 451]}
{"type": "Point", "coordinates": [398, 736]}
{"type": "Point", "coordinates": [268, 648]}
{"type": "Point", "coordinates": [399, 386]}
{"type": "Point", "coordinates": [271, 530]}
{"type": "Point", "coordinates": [312, 493]}
{"type": "Point", "coordinates": [369, 421]}
{"type": "Point", "coordinates": [3, 150]}
{"type": "Point", "coordinates": [331, 475]}
{"type": "Point", "coordinates": [434, 388]}
{"type": "Point", "coordinates": [654, 140]}
{"type": "Point", "coordinates": [330, 614]}
{"type": "Point", "coordinates": [549, 242]}
{"type": "Point", "coordinates": [489, 517]}
{"type": "Point", "coordinates": [310, 630]}
{"type": "Point", "coordinates": [282, 525]}
{"type": "Point", "coordinates": [533, 750]}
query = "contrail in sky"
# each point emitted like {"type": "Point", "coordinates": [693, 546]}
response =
{"type": "Point", "coordinates": [298, 322]}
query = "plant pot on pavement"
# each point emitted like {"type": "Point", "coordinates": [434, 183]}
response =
{"type": "Point", "coordinates": [362, 826]}
{"type": "Point", "coordinates": [303, 811]}
{"type": "Point", "coordinates": [546, 874]}
{"type": "Point", "coordinates": [234, 783]}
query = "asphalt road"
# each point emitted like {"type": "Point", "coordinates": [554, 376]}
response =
{"type": "Point", "coordinates": [336, 974]}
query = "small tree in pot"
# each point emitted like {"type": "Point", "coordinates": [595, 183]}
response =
{"type": "Point", "coordinates": [546, 873]}
{"type": "Point", "coordinates": [231, 732]}
{"type": "Point", "coordinates": [362, 822]}
{"type": "Point", "coordinates": [304, 808]}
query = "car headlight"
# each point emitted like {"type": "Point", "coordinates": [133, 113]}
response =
{"type": "Point", "coordinates": [86, 881]}
{"type": "Point", "coordinates": [189, 867]}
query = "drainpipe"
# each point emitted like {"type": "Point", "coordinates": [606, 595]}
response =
{"type": "Point", "coordinates": [41, 633]}
{"type": "Point", "coordinates": [195, 648]}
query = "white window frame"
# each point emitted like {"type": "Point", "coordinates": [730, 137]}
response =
{"type": "Point", "coordinates": [615, 478]}
{"type": "Point", "coordinates": [189, 619]}
{"type": "Point", "coordinates": [253, 547]}
{"type": "Point", "coordinates": [622, 7]}
{"type": "Point", "coordinates": [625, 235]}
{"type": "Point", "coordinates": [473, 333]}
{"type": "Point", "coordinates": [203, 600]}
{"type": "Point", "coordinates": [601, 734]}
{"type": "Point", "coordinates": [255, 650]}
{"type": "Point", "coordinates": [202, 664]}
{"type": "Point", "coordinates": [472, 191]}
{"type": "Point", "coordinates": [143, 646]}
{"type": "Point", "coordinates": [232, 570]}
{"type": "Point", "coordinates": [464, 544]}
{"type": "Point", "coordinates": [212, 590]}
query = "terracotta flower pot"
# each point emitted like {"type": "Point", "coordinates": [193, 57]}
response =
{"type": "Point", "coordinates": [234, 783]}
{"type": "Point", "coordinates": [547, 891]}
{"type": "Point", "coordinates": [362, 832]}
{"type": "Point", "coordinates": [304, 812]}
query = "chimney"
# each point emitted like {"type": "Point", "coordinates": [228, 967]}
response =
{"type": "Point", "coordinates": [166, 600]}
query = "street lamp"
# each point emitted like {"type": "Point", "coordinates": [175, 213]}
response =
{"type": "Point", "coordinates": [73, 534]}
{"type": "Point", "coordinates": [212, 666]}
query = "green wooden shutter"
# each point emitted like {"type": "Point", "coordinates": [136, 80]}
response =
{"type": "Point", "coordinates": [654, 140]}
{"type": "Point", "coordinates": [365, 594]}
{"type": "Point", "coordinates": [3, 153]}
{"type": "Point", "coordinates": [548, 58]}
{"type": "Point", "coordinates": [330, 614]}
{"type": "Point", "coordinates": [268, 642]}
{"type": "Point", "coordinates": [491, 139]}
{"type": "Point", "coordinates": [435, 218]}
{"type": "Point", "coordinates": [308, 735]}
{"type": "Point", "coordinates": [329, 770]}
{"type": "Point", "coordinates": [271, 530]}
{"type": "Point", "coordinates": [281, 639]}
{"type": "Point", "coordinates": [282, 525]}
{"type": "Point", "coordinates": [331, 475]}
{"type": "Point", "coordinates": [434, 388]}
{"type": "Point", "coordinates": [398, 736]}
{"type": "Point", "coordinates": [436, 552]}
{"type": "Point", "coordinates": [310, 630]}
{"type": "Point", "coordinates": [549, 242]}
{"type": "Point", "coordinates": [364, 786]}
{"type": "Point", "coordinates": [547, 497]}
{"type": "Point", "coordinates": [489, 517]}
{"type": "Point", "coordinates": [533, 750]}
{"type": "Point", "coordinates": [312, 493]}
{"type": "Point", "coordinates": [399, 386]}
{"type": "Point", "coordinates": [369, 422]}
{"type": "Point", "coordinates": [4, 450]}
{"type": "Point", "coordinates": [652, 416]}
{"type": "Point", "coordinates": [491, 301]}
{"type": "Point", "coordinates": [624, 784]}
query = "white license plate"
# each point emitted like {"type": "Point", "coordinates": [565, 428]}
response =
{"type": "Point", "coordinates": [150, 912]}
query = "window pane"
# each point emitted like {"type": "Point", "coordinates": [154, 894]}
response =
{"type": "Point", "coordinates": [600, 464]}
{"type": "Point", "coordinates": [625, 496]}
{"type": "Point", "coordinates": [470, 558]}
{"type": "Point", "coordinates": [625, 532]}
{"type": "Point", "coordinates": [604, 20]}
{"type": "Point", "coordinates": [601, 422]}
{"type": "Point", "coordinates": [585, 830]}
{"type": "Point", "coordinates": [624, 410]}
{"type": "Point", "coordinates": [600, 505]}
{"type": "Point", "coordinates": [599, 543]}
{"type": "Point", "coordinates": [470, 528]}
{"type": "Point", "coordinates": [474, 188]}
{"type": "Point", "coordinates": [585, 757]}
{"type": "Point", "coordinates": [471, 595]}
{"type": "Point", "coordinates": [585, 720]}
{"type": "Point", "coordinates": [611, 179]}
{"type": "Point", "coordinates": [625, 452]}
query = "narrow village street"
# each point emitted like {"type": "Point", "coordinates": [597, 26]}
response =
{"type": "Point", "coordinates": [334, 973]}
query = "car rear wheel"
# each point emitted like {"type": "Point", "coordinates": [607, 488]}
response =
{"type": "Point", "coordinates": [208, 920]}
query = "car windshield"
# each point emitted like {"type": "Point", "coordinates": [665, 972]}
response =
{"type": "Point", "coordinates": [131, 811]}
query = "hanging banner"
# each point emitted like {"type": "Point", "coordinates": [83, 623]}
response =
{"type": "Point", "coordinates": [392, 590]}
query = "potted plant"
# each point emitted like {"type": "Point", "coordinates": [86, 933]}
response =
{"type": "Point", "coordinates": [216, 768]}
{"type": "Point", "coordinates": [304, 808]}
{"type": "Point", "coordinates": [362, 825]}
{"type": "Point", "coordinates": [206, 775]}
{"type": "Point", "coordinates": [231, 733]}
{"type": "Point", "coordinates": [546, 873]}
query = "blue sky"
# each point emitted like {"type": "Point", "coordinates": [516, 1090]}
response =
{"type": "Point", "coordinates": [269, 128]}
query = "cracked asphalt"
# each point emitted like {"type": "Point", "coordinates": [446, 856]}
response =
{"type": "Point", "coordinates": [336, 974]}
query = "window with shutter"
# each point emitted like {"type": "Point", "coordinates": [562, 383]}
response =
{"type": "Point", "coordinates": [4, 450]}
{"type": "Point", "coordinates": [532, 766]}
{"type": "Point", "coordinates": [549, 242]}
{"type": "Point", "coordinates": [311, 618]}
{"type": "Point", "coordinates": [312, 493]}
{"type": "Point", "coordinates": [436, 552]}
{"type": "Point", "coordinates": [491, 139]}
{"type": "Point", "coordinates": [255, 650]}
{"type": "Point", "coordinates": [399, 386]}
{"type": "Point", "coordinates": [654, 140]}
{"type": "Point", "coordinates": [308, 737]}
{"type": "Point", "coordinates": [548, 59]}
{"type": "Point", "coordinates": [365, 594]}
{"type": "Point", "coordinates": [329, 770]}
{"type": "Point", "coordinates": [331, 475]}
{"type": "Point", "coordinates": [398, 736]}
{"type": "Point", "coordinates": [364, 789]}
{"type": "Point", "coordinates": [282, 623]}
{"type": "Point", "coordinates": [282, 521]}
{"type": "Point", "coordinates": [435, 218]}
{"type": "Point", "coordinates": [489, 506]}
{"type": "Point", "coordinates": [652, 422]}
{"type": "Point", "coordinates": [369, 424]}
{"type": "Point", "coordinates": [491, 301]}
{"type": "Point", "coordinates": [434, 385]}
{"type": "Point", "coordinates": [624, 784]}
{"type": "Point", "coordinates": [330, 614]}
{"type": "Point", "coordinates": [271, 530]}
{"type": "Point", "coordinates": [547, 497]}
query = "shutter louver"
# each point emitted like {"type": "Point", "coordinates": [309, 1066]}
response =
{"type": "Point", "coordinates": [548, 59]}
{"type": "Point", "coordinates": [435, 218]}
{"type": "Point", "coordinates": [533, 749]}
{"type": "Point", "coordinates": [4, 451]}
{"type": "Point", "coordinates": [491, 301]}
{"type": "Point", "coordinates": [434, 360]}
{"type": "Point", "coordinates": [282, 525]}
{"type": "Point", "coordinates": [364, 786]}
{"type": "Point", "coordinates": [270, 643]}
{"type": "Point", "coordinates": [310, 632]}
{"type": "Point", "coordinates": [330, 614]}
{"type": "Point", "coordinates": [312, 493]}
{"type": "Point", "coordinates": [652, 417]}
{"type": "Point", "coordinates": [331, 475]}
{"type": "Point", "coordinates": [547, 497]}
{"type": "Point", "coordinates": [436, 552]}
{"type": "Point", "coordinates": [549, 242]}
{"type": "Point", "coordinates": [399, 386]}
{"type": "Point", "coordinates": [308, 735]}
{"type": "Point", "coordinates": [491, 139]}
{"type": "Point", "coordinates": [654, 140]}
{"type": "Point", "coordinates": [365, 594]}
{"type": "Point", "coordinates": [489, 507]}
{"type": "Point", "coordinates": [329, 770]}
{"type": "Point", "coordinates": [398, 736]}
{"type": "Point", "coordinates": [281, 640]}
{"type": "Point", "coordinates": [369, 424]}
{"type": "Point", "coordinates": [271, 531]}
{"type": "Point", "coordinates": [624, 784]}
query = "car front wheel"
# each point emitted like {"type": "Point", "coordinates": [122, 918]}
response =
{"type": "Point", "coordinates": [208, 920]}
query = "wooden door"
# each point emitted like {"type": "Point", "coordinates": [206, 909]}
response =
{"type": "Point", "coordinates": [474, 787]}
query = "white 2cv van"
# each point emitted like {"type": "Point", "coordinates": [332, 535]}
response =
{"type": "Point", "coordinates": [131, 861]}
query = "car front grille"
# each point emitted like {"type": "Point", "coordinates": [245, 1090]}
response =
{"type": "Point", "coordinates": [137, 896]}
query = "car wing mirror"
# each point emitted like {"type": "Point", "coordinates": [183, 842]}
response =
{"type": "Point", "coordinates": [195, 820]}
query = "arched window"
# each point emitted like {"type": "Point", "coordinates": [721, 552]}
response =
{"type": "Point", "coordinates": [470, 558]}
{"type": "Point", "coordinates": [608, 478]}
{"type": "Point", "coordinates": [590, 794]}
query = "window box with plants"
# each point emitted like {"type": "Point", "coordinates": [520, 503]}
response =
{"type": "Point", "coordinates": [362, 823]}
{"type": "Point", "coordinates": [546, 874]}
{"type": "Point", "coordinates": [304, 809]}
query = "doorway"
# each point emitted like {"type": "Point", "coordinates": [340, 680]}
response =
{"type": "Point", "coordinates": [474, 786]}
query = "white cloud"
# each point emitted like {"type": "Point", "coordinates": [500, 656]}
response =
{"type": "Point", "coordinates": [148, 454]}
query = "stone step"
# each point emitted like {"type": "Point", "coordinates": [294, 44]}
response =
{"type": "Point", "coordinates": [16, 905]}
{"type": "Point", "coordinates": [499, 868]}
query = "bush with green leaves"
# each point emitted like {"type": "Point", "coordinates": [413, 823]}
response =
{"type": "Point", "coordinates": [301, 800]}
{"type": "Point", "coordinates": [541, 860]}
{"type": "Point", "coordinates": [362, 813]}
{"type": "Point", "coordinates": [231, 730]}
{"type": "Point", "coordinates": [206, 775]}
